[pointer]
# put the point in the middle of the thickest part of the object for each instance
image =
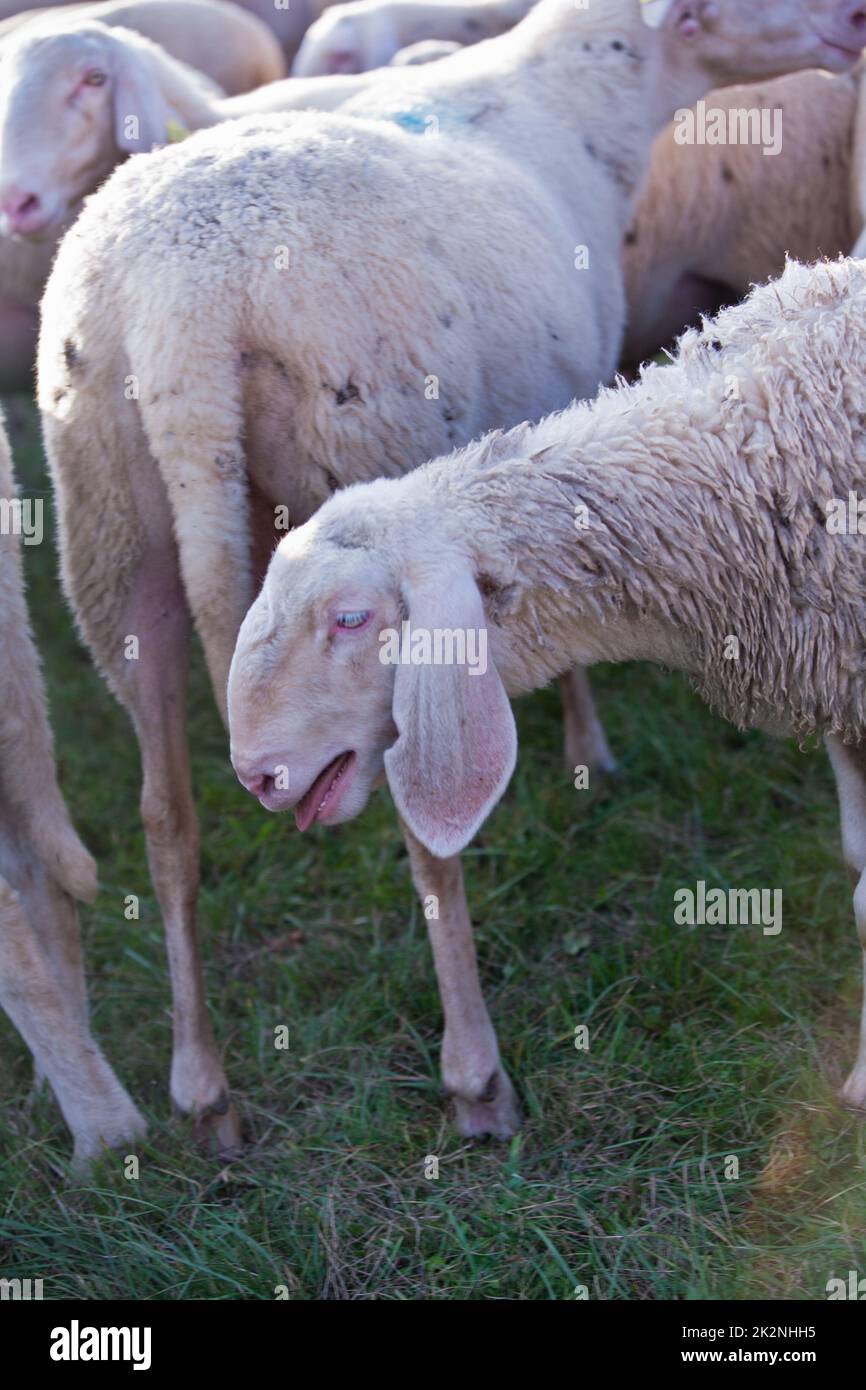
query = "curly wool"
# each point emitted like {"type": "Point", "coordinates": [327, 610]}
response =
{"type": "Point", "coordinates": [705, 488]}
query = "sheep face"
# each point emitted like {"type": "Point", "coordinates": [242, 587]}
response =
{"type": "Point", "coordinates": [309, 700]}
{"type": "Point", "coordinates": [71, 105]}
{"type": "Point", "coordinates": [737, 40]}
{"type": "Point", "coordinates": [348, 667]}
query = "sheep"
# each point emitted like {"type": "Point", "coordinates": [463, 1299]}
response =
{"type": "Point", "coordinates": [49, 159]}
{"type": "Point", "coordinates": [43, 868]}
{"type": "Point", "coordinates": [366, 34]}
{"type": "Point", "coordinates": [336, 303]}
{"type": "Point", "coordinates": [714, 219]}
{"type": "Point", "coordinates": [708, 496]}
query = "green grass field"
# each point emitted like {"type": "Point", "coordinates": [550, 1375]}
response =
{"type": "Point", "coordinates": [706, 1043]}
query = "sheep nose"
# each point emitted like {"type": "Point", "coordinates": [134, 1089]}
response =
{"type": "Point", "coordinates": [857, 19]}
{"type": "Point", "coordinates": [21, 211]}
{"type": "Point", "coordinates": [250, 777]}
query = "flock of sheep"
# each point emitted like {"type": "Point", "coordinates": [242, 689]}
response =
{"type": "Point", "coordinates": [405, 252]}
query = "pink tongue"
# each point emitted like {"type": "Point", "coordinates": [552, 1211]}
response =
{"type": "Point", "coordinates": [308, 806]}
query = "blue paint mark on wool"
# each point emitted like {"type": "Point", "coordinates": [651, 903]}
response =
{"type": "Point", "coordinates": [421, 120]}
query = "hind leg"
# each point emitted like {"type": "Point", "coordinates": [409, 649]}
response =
{"type": "Point", "coordinates": [849, 766]}
{"type": "Point", "coordinates": [153, 688]}
{"type": "Point", "coordinates": [585, 741]}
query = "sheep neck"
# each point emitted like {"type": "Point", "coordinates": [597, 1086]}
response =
{"type": "Point", "coordinates": [656, 524]}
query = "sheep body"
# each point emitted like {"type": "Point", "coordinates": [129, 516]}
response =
{"type": "Point", "coordinates": [707, 517]}
{"type": "Point", "coordinates": [708, 513]}
{"type": "Point", "coordinates": [712, 220]}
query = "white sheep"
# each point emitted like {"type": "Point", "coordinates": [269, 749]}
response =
{"type": "Point", "coordinates": [58, 137]}
{"type": "Point", "coordinates": [273, 309]}
{"type": "Point", "coordinates": [710, 516]}
{"type": "Point", "coordinates": [713, 220]}
{"type": "Point", "coordinates": [365, 34]}
{"type": "Point", "coordinates": [43, 868]}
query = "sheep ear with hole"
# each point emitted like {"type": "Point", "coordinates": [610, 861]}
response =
{"type": "Point", "coordinates": [141, 114]}
{"type": "Point", "coordinates": [457, 742]}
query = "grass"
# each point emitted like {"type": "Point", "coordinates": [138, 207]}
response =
{"type": "Point", "coordinates": [706, 1043]}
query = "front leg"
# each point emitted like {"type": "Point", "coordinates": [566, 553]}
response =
{"type": "Point", "coordinates": [472, 1072]}
{"type": "Point", "coordinates": [586, 744]}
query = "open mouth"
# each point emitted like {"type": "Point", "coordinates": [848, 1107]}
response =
{"type": "Point", "coordinates": [326, 793]}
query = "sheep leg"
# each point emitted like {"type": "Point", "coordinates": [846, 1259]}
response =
{"type": "Point", "coordinates": [19, 326]}
{"type": "Point", "coordinates": [585, 741]}
{"type": "Point", "coordinates": [95, 1106]}
{"type": "Point", "coordinates": [153, 688]}
{"type": "Point", "coordinates": [472, 1072]}
{"type": "Point", "coordinates": [849, 766]}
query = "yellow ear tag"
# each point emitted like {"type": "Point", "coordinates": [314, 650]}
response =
{"type": "Point", "coordinates": [176, 132]}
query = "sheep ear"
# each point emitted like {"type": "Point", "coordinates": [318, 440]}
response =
{"type": "Point", "coordinates": [141, 113]}
{"type": "Point", "coordinates": [655, 12]}
{"type": "Point", "coordinates": [457, 742]}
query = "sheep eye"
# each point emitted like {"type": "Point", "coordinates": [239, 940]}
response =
{"type": "Point", "coordinates": [95, 79]}
{"type": "Point", "coordinates": [350, 621]}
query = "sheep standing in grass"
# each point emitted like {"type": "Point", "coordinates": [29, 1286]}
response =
{"type": "Point", "coordinates": [718, 537]}
{"type": "Point", "coordinates": [43, 868]}
{"type": "Point", "coordinates": [271, 310]}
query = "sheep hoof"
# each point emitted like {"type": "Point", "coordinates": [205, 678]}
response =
{"type": "Point", "coordinates": [118, 1138]}
{"type": "Point", "coordinates": [496, 1114]}
{"type": "Point", "coordinates": [217, 1130]}
{"type": "Point", "coordinates": [595, 756]}
{"type": "Point", "coordinates": [853, 1093]}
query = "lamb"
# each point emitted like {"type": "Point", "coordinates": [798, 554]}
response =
{"type": "Point", "coordinates": [362, 343]}
{"type": "Point", "coordinates": [700, 518]}
{"type": "Point", "coordinates": [714, 219]}
{"type": "Point", "coordinates": [49, 158]}
{"type": "Point", "coordinates": [43, 868]}
{"type": "Point", "coordinates": [366, 34]}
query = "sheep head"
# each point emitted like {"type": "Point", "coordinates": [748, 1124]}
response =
{"type": "Point", "coordinates": [73, 102]}
{"type": "Point", "coordinates": [355, 664]}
